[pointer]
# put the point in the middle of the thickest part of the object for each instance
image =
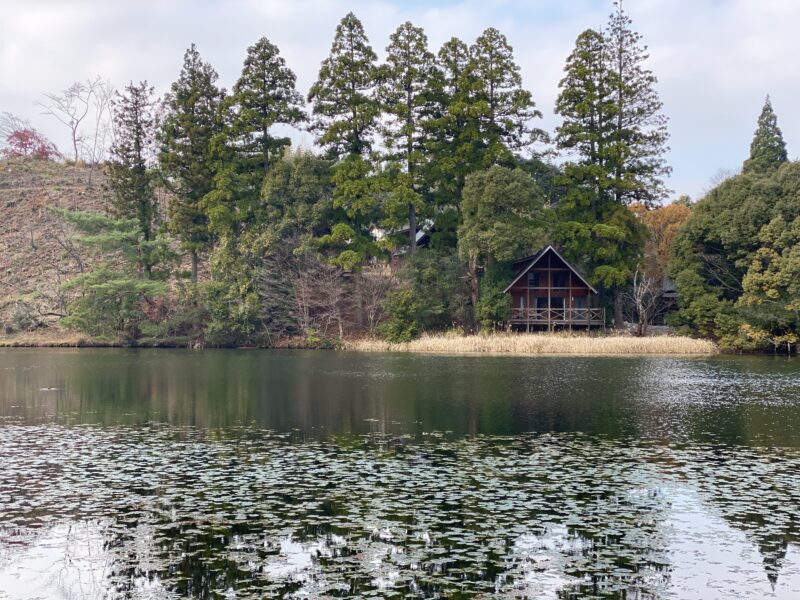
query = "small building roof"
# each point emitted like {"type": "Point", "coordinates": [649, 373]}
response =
{"type": "Point", "coordinates": [534, 258]}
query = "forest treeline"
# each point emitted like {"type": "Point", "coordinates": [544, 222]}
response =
{"type": "Point", "coordinates": [218, 232]}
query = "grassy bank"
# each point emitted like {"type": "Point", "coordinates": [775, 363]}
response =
{"type": "Point", "coordinates": [51, 338]}
{"type": "Point", "coordinates": [527, 344]}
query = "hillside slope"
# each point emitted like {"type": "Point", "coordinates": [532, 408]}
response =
{"type": "Point", "coordinates": [36, 256]}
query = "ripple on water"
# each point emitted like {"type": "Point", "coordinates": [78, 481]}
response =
{"type": "Point", "coordinates": [158, 510]}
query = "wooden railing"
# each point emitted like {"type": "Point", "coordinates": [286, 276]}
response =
{"type": "Point", "coordinates": [575, 316]}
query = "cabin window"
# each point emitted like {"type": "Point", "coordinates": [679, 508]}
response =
{"type": "Point", "coordinates": [533, 279]}
{"type": "Point", "coordinates": [522, 301]}
{"type": "Point", "coordinates": [579, 302]}
{"type": "Point", "coordinates": [541, 303]}
{"type": "Point", "coordinates": [560, 279]}
{"type": "Point", "coordinates": [557, 303]}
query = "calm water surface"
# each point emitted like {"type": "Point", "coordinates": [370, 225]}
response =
{"type": "Point", "coordinates": [160, 474]}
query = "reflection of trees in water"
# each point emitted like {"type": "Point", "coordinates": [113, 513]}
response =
{"type": "Point", "coordinates": [266, 515]}
{"type": "Point", "coordinates": [756, 490]}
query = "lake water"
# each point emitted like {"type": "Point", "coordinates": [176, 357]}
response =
{"type": "Point", "coordinates": [249, 474]}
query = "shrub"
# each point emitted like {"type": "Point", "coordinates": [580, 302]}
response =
{"type": "Point", "coordinates": [403, 317]}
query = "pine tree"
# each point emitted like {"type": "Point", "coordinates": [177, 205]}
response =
{"type": "Point", "coordinates": [116, 297]}
{"type": "Point", "coordinates": [191, 122]}
{"type": "Point", "coordinates": [345, 115]}
{"type": "Point", "coordinates": [453, 139]}
{"type": "Point", "coordinates": [404, 94]}
{"type": "Point", "coordinates": [130, 175]}
{"type": "Point", "coordinates": [264, 96]}
{"type": "Point", "coordinates": [506, 109]}
{"type": "Point", "coordinates": [345, 110]}
{"type": "Point", "coordinates": [768, 150]}
{"type": "Point", "coordinates": [586, 106]}
{"type": "Point", "coordinates": [616, 133]}
{"type": "Point", "coordinates": [639, 139]}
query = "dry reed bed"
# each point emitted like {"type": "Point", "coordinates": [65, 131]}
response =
{"type": "Point", "coordinates": [542, 343]}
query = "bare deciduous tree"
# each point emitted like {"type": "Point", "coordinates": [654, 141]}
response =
{"type": "Point", "coordinates": [319, 293]}
{"type": "Point", "coordinates": [102, 136]}
{"type": "Point", "coordinates": [643, 301]}
{"type": "Point", "coordinates": [9, 123]}
{"type": "Point", "coordinates": [374, 283]}
{"type": "Point", "coordinates": [73, 106]}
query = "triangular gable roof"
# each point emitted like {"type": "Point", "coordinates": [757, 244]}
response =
{"type": "Point", "coordinates": [534, 258]}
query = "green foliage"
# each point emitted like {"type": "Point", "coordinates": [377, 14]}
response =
{"type": "Point", "coordinates": [502, 215]}
{"type": "Point", "coordinates": [480, 115]}
{"type": "Point", "coordinates": [638, 140]}
{"type": "Point", "coordinates": [112, 303]}
{"type": "Point", "coordinates": [246, 149]}
{"type": "Point", "coordinates": [345, 110]}
{"type": "Point", "coordinates": [770, 300]}
{"type": "Point", "coordinates": [607, 241]}
{"type": "Point", "coordinates": [355, 195]}
{"type": "Point", "coordinates": [117, 296]}
{"type": "Point", "coordinates": [494, 307]}
{"type": "Point", "coordinates": [613, 125]}
{"type": "Point", "coordinates": [453, 138]}
{"type": "Point", "coordinates": [231, 297]}
{"type": "Point", "coordinates": [767, 150]}
{"type": "Point", "coordinates": [404, 93]}
{"type": "Point", "coordinates": [453, 128]}
{"type": "Point", "coordinates": [129, 171]}
{"type": "Point", "coordinates": [732, 260]}
{"type": "Point", "coordinates": [437, 279]}
{"type": "Point", "coordinates": [191, 122]}
{"type": "Point", "coordinates": [296, 197]}
{"type": "Point", "coordinates": [503, 107]}
{"type": "Point", "coordinates": [403, 317]}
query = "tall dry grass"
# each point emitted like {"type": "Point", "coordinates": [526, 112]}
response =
{"type": "Point", "coordinates": [543, 343]}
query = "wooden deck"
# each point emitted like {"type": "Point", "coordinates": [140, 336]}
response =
{"type": "Point", "coordinates": [561, 317]}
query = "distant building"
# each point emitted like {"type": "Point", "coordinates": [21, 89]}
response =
{"type": "Point", "coordinates": [549, 293]}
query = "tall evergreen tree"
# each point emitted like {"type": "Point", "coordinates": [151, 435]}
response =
{"type": "Point", "coordinates": [767, 150]}
{"type": "Point", "coordinates": [345, 116]}
{"type": "Point", "coordinates": [404, 93]}
{"type": "Point", "coordinates": [264, 96]}
{"type": "Point", "coordinates": [130, 175]}
{"type": "Point", "coordinates": [453, 139]}
{"type": "Point", "coordinates": [639, 139]}
{"type": "Point", "coordinates": [592, 229]}
{"type": "Point", "coordinates": [345, 110]}
{"type": "Point", "coordinates": [616, 135]}
{"type": "Point", "coordinates": [586, 106]}
{"type": "Point", "coordinates": [506, 109]}
{"type": "Point", "coordinates": [191, 122]}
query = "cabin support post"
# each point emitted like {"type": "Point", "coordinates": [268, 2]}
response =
{"type": "Point", "coordinates": [528, 304]}
{"type": "Point", "coordinates": [549, 295]}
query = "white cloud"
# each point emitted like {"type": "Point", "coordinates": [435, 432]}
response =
{"type": "Point", "coordinates": [715, 59]}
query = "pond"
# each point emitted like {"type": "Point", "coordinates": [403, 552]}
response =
{"type": "Point", "coordinates": [250, 474]}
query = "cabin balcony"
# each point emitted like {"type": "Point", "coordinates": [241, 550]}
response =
{"type": "Point", "coordinates": [581, 317]}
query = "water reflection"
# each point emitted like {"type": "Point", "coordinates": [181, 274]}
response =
{"type": "Point", "coordinates": [316, 394]}
{"type": "Point", "coordinates": [250, 474]}
{"type": "Point", "coordinates": [249, 513]}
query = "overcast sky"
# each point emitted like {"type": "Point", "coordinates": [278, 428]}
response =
{"type": "Point", "coordinates": [715, 59]}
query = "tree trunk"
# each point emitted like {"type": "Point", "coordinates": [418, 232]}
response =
{"type": "Point", "coordinates": [619, 321]}
{"type": "Point", "coordinates": [474, 290]}
{"type": "Point", "coordinates": [412, 229]}
{"type": "Point", "coordinates": [194, 266]}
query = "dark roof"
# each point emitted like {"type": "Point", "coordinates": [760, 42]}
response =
{"type": "Point", "coordinates": [534, 258]}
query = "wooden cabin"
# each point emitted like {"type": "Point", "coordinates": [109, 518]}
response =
{"type": "Point", "coordinates": [548, 293]}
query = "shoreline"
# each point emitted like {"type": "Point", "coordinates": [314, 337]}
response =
{"type": "Point", "coordinates": [543, 344]}
{"type": "Point", "coordinates": [499, 344]}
